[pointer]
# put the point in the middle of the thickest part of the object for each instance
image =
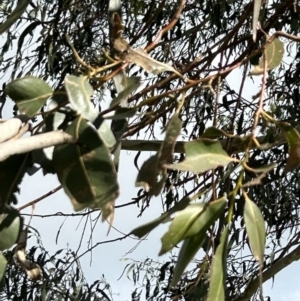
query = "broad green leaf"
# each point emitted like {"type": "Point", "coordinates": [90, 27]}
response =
{"type": "Point", "coordinates": [85, 169]}
{"type": "Point", "coordinates": [12, 171]}
{"type": "Point", "coordinates": [30, 94]}
{"type": "Point", "coordinates": [218, 270]}
{"type": "Point", "coordinates": [293, 139]}
{"type": "Point", "coordinates": [106, 134]}
{"type": "Point", "coordinates": [152, 174]}
{"type": "Point", "coordinates": [191, 221]}
{"type": "Point", "coordinates": [274, 53]}
{"type": "Point", "coordinates": [129, 84]}
{"type": "Point", "coordinates": [187, 252]}
{"type": "Point", "coordinates": [10, 226]}
{"type": "Point", "coordinates": [79, 92]}
{"type": "Point", "coordinates": [256, 231]}
{"type": "Point", "coordinates": [146, 228]}
{"type": "Point", "coordinates": [3, 263]}
{"type": "Point", "coordinates": [202, 155]}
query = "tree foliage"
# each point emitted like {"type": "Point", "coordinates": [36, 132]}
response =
{"type": "Point", "coordinates": [89, 78]}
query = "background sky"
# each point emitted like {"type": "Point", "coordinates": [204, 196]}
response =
{"type": "Point", "coordinates": [107, 258]}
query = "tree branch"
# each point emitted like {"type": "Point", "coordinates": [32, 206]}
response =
{"type": "Point", "coordinates": [269, 273]}
{"type": "Point", "coordinates": [27, 144]}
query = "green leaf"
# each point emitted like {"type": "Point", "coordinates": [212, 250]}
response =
{"type": "Point", "coordinates": [187, 252]}
{"type": "Point", "coordinates": [15, 15]}
{"type": "Point", "coordinates": [274, 54]}
{"type": "Point", "coordinates": [152, 174]}
{"type": "Point", "coordinates": [129, 84]}
{"type": "Point", "coordinates": [173, 129]}
{"type": "Point", "coordinates": [293, 139]}
{"type": "Point", "coordinates": [12, 171]}
{"type": "Point", "coordinates": [122, 113]}
{"type": "Point", "coordinates": [202, 155]}
{"type": "Point", "coordinates": [190, 221]}
{"type": "Point", "coordinates": [85, 169]}
{"type": "Point", "coordinates": [30, 94]}
{"type": "Point", "coordinates": [106, 134]}
{"type": "Point", "coordinates": [3, 263]}
{"type": "Point", "coordinates": [79, 92]}
{"type": "Point", "coordinates": [256, 231]}
{"type": "Point", "coordinates": [146, 228]}
{"type": "Point", "coordinates": [214, 133]}
{"type": "Point", "coordinates": [218, 270]}
{"type": "Point", "coordinates": [10, 227]}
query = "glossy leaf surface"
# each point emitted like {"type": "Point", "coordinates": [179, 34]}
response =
{"type": "Point", "coordinates": [85, 169]}
{"type": "Point", "coordinates": [202, 155]}
{"type": "Point", "coordinates": [29, 93]}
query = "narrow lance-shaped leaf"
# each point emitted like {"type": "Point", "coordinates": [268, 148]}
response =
{"type": "Point", "coordinates": [85, 169]}
{"type": "Point", "coordinates": [190, 221]}
{"type": "Point", "coordinates": [202, 155]}
{"type": "Point", "coordinates": [255, 227]}
{"type": "Point", "coordinates": [293, 139]}
{"type": "Point", "coordinates": [218, 272]}
{"type": "Point", "coordinates": [154, 168]}
{"type": "Point", "coordinates": [188, 250]}
{"type": "Point", "coordinates": [141, 58]}
{"type": "Point", "coordinates": [30, 94]}
{"type": "Point", "coordinates": [148, 227]}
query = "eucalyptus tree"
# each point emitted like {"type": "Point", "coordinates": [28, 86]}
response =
{"type": "Point", "coordinates": [89, 78]}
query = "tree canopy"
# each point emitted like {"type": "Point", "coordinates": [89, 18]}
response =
{"type": "Point", "coordinates": [91, 79]}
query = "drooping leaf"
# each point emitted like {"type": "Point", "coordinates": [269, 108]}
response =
{"type": "Point", "coordinates": [3, 263]}
{"type": "Point", "coordinates": [30, 94]}
{"type": "Point", "coordinates": [191, 221]}
{"type": "Point", "coordinates": [79, 92]}
{"type": "Point", "coordinates": [10, 227]}
{"type": "Point", "coordinates": [106, 134]}
{"type": "Point", "coordinates": [122, 113]}
{"type": "Point", "coordinates": [146, 228]}
{"type": "Point", "coordinates": [293, 139]}
{"type": "Point", "coordinates": [274, 53]}
{"type": "Point", "coordinates": [152, 174]}
{"type": "Point", "coordinates": [218, 270]}
{"type": "Point", "coordinates": [256, 231]}
{"type": "Point", "coordinates": [202, 155]}
{"type": "Point", "coordinates": [188, 250]}
{"type": "Point", "coordinates": [12, 171]}
{"type": "Point", "coordinates": [15, 15]}
{"type": "Point", "coordinates": [129, 85]}
{"type": "Point", "coordinates": [141, 58]}
{"type": "Point", "coordinates": [85, 169]}
{"type": "Point", "coordinates": [173, 129]}
{"type": "Point", "coordinates": [148, 177]}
